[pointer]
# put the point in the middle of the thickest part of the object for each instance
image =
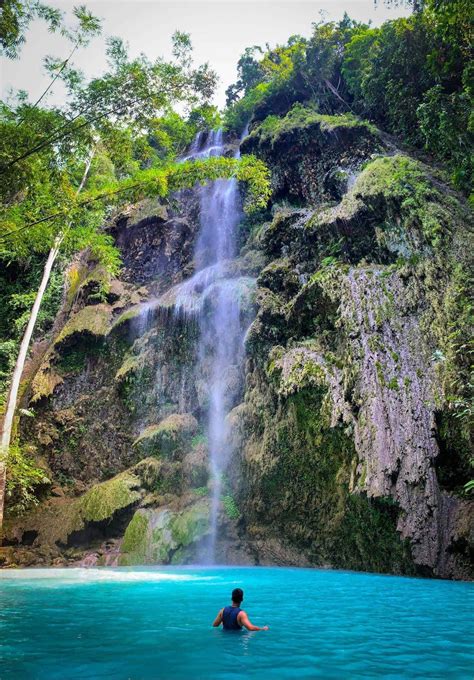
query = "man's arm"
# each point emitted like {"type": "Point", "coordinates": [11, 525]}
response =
{"type": "Point", "coordinates": [218, 619]}
{"type": "Point", "coordinates": [244, 621]}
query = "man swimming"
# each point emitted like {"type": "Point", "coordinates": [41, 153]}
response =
{"type": "Point", "coordinates": [233, 617]}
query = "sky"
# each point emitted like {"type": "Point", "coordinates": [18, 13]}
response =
{"type": "Point", "coordinates": [220, 31]}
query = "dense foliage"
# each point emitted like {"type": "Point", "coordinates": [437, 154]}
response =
{"type": "Point", "coordinates": [412, 77]}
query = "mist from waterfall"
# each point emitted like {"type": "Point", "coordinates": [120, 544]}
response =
{"type": "Point", "coordinates": [216, 301]}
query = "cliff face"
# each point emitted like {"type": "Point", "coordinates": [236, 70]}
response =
{"type": "Point", "coordinates": [353, 347]}
{"type": "Point", "coordinates": [347, 448]}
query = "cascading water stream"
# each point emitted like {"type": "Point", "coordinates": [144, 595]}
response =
{"type": "Point", "coordinates": [215, 299]}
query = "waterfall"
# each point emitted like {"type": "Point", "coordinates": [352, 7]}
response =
{"type": "Point", "coordinates": [214, 297]}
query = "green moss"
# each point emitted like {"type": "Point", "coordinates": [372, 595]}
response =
{"type": "Point", "coordinates": [171, 436]}
{"type": "Point", "coordinates": [130, 365]}
{"type": "Point", "coordinates": [300, 369]}
{"type": "Point", "coordinates": [300, 118]}
{"type": "Point", "coordinates": [163, 536]}
{"type": "Point", "coordinates": [135, 537]}
{"type": "Point", "coordinates": [44, 383]}
{"type": "Point", "coordinates": [104, 499]}
{"type": "Point", "coordinates": [380, 373]}
{"type": "Point", "coordinates": [303, 492]}
{"type": "Point", "coordinates": [190, 525]}
{"type": "Point", "coordinates": [55, 520]}
{"type": "Point", "coordinates": [405, 205]}
{"type": "Point", "coordinates": [366, 537]}
{"type": "Point", "coordinates": [80, 276]}
{"type": "Point", "coordinates": [150, 472]}
{"type": "Point", "coordinates": [407, 184]}
{"type": "Point", "coordinates": [72, 359]}
{"type": "Point", "coordinates": [147, 539]}
{"type": "Point", "coordinates": [92, 320]}
{"type": "Point", "coordinates": [199, 440]}
{"type": "Point", "coordinates": [128, 315]}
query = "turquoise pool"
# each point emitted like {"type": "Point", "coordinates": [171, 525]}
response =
{"type": "Point", "coordinates": [156, 623]}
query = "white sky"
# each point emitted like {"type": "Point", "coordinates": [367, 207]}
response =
{"type": "Point", "coordinates": [220, 31]}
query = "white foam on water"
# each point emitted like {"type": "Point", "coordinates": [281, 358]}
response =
{"type": "Point", "coordinates": [82, 575]}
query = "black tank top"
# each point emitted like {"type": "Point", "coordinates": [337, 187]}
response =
{"type": "Point", "coordinates": [229, 618]}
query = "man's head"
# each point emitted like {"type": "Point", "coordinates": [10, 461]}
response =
{"type": "Point", "coordinates": [237, 595]}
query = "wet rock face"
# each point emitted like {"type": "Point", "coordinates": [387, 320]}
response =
{"type": "Point", "coordinates": [164, 536]}
{"type": "Point", "coordinates": [338, 432]}
{"type": "Point", "coordinates": [157, 242]}
{"type": "Point", "coordinates": [397, 393]}
{"type": "Point", "coordinates": [312, 157]}
{"type": "Point", "coordinates": [97, 388]}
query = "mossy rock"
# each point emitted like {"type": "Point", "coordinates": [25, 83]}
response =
{"type": "Point", "coordinates": [57, 519]}
{"type": "Point", "coordinates": [160, 476]}
{"type": "Point", "coordinates": [171, 437]}
{"type": "Point", "coordinates": [312, 156]}
{"type": "Point", "coordinates": [280, 277]}
{"type": "Point", "coordinates": [93, 320]}
{"type": "Point", "coordinates": [132, 314]}
{"type": "Point", "coordinates": [297, 369]}
{"type": "Point", "coordinates": [149, 471]}
{"type": "Point", "coordinates": [132, 364]}
{"type": "Point", "coordinates": [196, 466]}
{"type": "Point", "coordinates": [311, 311]}
{"type": "Point", "coordinates": [397, 207]}
{"type": "Point", "coordinates": [45, 382]}
{"type": "Point", "coordinates": [93, 280]}
{"type": "Point", "coordinates": [190, 525]}
{"type": "Point", "coordinates": [300, 119]}
{"type": "Point", "coordinates": [284, 230]}
{"type": "Point", "coordinates": [162, 536]}
{"type": "Point", "coordinates": [270, 326]}
{"type": "Point", "coordinates": [104, 499]}
{"type": "Point", "coordinates": [134, 546]}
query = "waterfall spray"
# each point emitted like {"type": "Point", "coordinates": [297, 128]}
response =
{"type": "Point", "coordinates": [215, 300]}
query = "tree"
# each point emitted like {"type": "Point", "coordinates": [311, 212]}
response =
{"type": "Point", "coordinates": [249, 73]}
{"type": "Point", "coordinates": [16, 16]}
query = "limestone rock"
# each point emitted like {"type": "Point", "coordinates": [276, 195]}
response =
{"type": "Point", "coordinates": [161, 536]}
{"type": "Point", "coordinates": [168, 438]}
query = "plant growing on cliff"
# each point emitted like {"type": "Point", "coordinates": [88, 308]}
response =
{"type": "Point", "coordinates": [230, 507]}
{"type": "Point", "coordinates": [24, 476]}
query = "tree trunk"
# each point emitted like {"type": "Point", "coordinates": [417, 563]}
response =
{"type": "Point", "coordinates": [3, 482]}
{"type": "Point", "coordinates": [17, 373]}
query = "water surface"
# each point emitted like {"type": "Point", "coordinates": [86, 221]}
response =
{"type": "Point", "coordinates": [156, 623]}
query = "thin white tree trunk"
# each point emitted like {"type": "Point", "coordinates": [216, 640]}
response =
{"type": "Point", "coordinates": [19, 366]}
{"type": "Point", "coordinates": [20, 362]}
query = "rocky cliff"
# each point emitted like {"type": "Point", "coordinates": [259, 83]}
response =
{"type": "Point", "coordinates": [348, 448]}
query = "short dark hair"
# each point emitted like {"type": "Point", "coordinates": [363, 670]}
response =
{"type": "Point", "coordinates": [237, 595]}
